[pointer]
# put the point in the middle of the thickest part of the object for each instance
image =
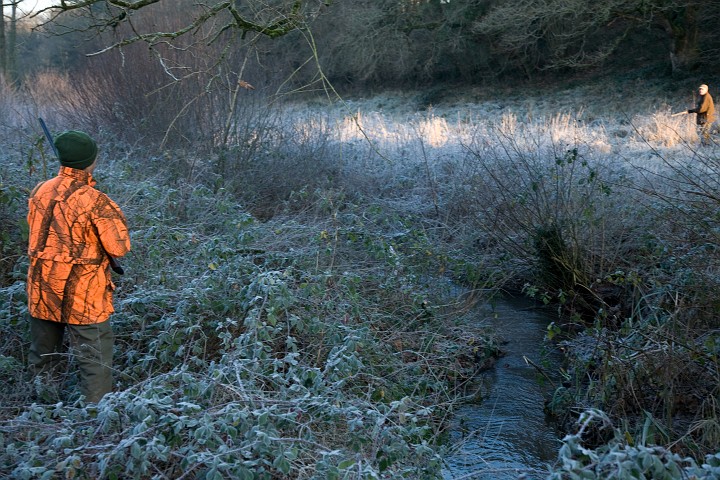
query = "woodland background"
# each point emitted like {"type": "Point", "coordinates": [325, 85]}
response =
{"type": "Point", "coordinates": [287, 48]}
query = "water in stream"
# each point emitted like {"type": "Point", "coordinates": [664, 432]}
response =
{"type": "Point", "coordinates": [506, 436]}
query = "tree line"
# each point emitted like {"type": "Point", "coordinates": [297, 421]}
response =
{"type": "Point", "coordinates": [392, 42]}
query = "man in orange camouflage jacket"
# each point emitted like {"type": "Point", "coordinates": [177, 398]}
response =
{"type": "Point", "coordinates": [73, 229]}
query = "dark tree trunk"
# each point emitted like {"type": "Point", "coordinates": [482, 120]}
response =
{"type": "Point", "coordinates": [3, 47]}
{"type": "Point", "coordinates": [683, 32]}
{"type": "Point", "coordinates": [11, 50]}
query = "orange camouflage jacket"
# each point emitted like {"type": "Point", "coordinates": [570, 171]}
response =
{"type": "Point", "coordinates": [73, 229]}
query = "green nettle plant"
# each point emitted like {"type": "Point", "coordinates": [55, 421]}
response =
{"type": "Point", "coordinates": [623, 458]}
{"type": "Point", "coordinates": [14, 228]}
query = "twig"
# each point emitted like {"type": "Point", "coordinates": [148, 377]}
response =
{"type": "Point", "coordinates": [539, 369]}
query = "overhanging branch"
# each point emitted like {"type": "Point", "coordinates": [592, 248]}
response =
{"type": "Point", "coordinates": [284, 22]}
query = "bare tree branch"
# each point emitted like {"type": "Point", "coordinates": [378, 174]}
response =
{"type": "Point", "coordinates": [269, 18]}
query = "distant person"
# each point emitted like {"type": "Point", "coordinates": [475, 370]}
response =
{"type": "Point", "coordinates": [73, 229]}
{"type": "Point", "coordinates": [704, 114]}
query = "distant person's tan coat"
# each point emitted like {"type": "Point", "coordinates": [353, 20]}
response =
{"type": "Point", "coordinates": [705, 110]}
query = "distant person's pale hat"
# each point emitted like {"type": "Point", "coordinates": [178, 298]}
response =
{"type": "Point", "coordinates": [703, 88]}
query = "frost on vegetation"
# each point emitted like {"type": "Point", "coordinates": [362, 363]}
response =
{"type": "Point", "coordinates": [448, 129]}
{"type": "Point", "coordinates": [242, 353]}
{"type": "Point", "coordinates": [256, 389]}
{"type": "Point", "coordinates": [213, 425]}
{"type": "Point", "coordinates": [624, 459]}
{"type": "Point", "coordinates": [663, 129]}
{"type": "Point", "coordinates": [543, 133]}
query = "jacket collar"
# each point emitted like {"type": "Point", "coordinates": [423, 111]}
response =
{"type": "Point", "coordinates": [78, 175]}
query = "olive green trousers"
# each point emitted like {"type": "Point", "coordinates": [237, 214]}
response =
{"type": "Point", "coordinates": [91, 347]}
{"type": "Point", "coordinates": [705, 132]}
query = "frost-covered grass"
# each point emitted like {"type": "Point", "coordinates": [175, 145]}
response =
{"type": "Point", "coordinates": [295, 349]}
{"type": "Point", "coordinates": [283, 314]}
{"type": "Point", "coordinates": [307, 346]}
{"type": "Point", "coordinates": [612, 219]}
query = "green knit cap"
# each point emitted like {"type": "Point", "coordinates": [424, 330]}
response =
{"type": "Point", "coordinates": [76, 149]}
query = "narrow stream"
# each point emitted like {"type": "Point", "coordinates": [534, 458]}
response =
{"type": "Point", "coordinates": [506, 436]}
